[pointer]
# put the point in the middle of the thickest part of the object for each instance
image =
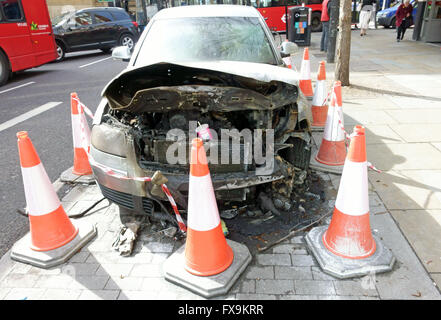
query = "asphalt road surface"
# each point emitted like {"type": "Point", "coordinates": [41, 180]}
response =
{"type": "Point", "coordinates": [38, 101]}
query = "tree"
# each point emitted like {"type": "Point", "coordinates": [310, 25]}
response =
{"type": "Point", "coordinates": [343, 43]}
{"type": "Point", "coordinates": [333, 30]}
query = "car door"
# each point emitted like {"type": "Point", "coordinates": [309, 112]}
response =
{"type": "Point", "coordinates": [105, 29]}
{"type": "Point", "coordinates": [79, 33]}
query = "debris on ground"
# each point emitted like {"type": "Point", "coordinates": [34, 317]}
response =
{"type": "Point", "coordinates": [169, 232]}
{"type": "Point", "coordinates": [126, 237]}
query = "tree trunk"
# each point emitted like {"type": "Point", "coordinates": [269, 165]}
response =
{"type": "Point", "coordinates": [333, 30]}
{"type": "Point", "coordinates": [343, 43]}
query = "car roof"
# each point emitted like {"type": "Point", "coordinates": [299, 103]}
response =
{"type": "Point", "coordinates": [215, 10]}
{"type": "Point", "coordinates": [101, 9]}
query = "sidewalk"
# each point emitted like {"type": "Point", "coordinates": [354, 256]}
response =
{"type": "Point", "coordinates": [390, 98]}
{"type": "Point", "coordinates": [395, 93]}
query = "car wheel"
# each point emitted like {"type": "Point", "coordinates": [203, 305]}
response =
{"type": "Point", "coordinates": [127, 41]}
{"type": "Point", "coordinates": [316, 24]}
{"type": "Point", "coordinates": [5, 72]}
{"type": "Point", "coordinates": [392, 24]}
{"type": "Point", "coordinates": [61, 52]}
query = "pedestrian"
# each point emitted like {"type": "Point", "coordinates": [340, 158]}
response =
{"type": "Point", "coordinates": [403, 18]}
{"type": "Point", "coordinates": [366, 7]}
{"type": "Point", "coordinates": [326, 4]}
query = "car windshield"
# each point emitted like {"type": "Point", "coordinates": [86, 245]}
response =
{"type": "Point", "coordinates": [206, 39]}
{"type": "Point", "coordinates": [60, 18]}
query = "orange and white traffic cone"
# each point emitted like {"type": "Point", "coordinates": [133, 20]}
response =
{"type": "Point", "coordinates": [319, 107]}
{"type": "Point", "coordinates": [332, 152]}
{"type": "Point", "coordinates": [349, 235]}
{"type": "Point", "coordinates": [206, 252]}
{"type": "Point", "coordinates": [50, 227]}
{"type": "Point", "coordinates": [81, 162]}
{"type": "Point", "coordinates": [305, 83]}
{"type": "Point", "coordinates": [81, 172]}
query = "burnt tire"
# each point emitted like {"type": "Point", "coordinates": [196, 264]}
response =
{"type": "Point", "coordinates": [5, 71]}
{"type": "Point", "coordinates": [300, 154]}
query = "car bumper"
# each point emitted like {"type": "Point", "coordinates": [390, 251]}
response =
{"type": "Point", "coordinates": [134, 194]}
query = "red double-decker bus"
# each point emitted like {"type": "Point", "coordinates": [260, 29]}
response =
{"type": "Point", "coordinates": [26, 39]}
{"type": "Point", "coordinates": [275, 12]}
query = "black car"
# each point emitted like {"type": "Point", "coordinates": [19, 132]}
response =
{"type": "Point", "coordinates": [94, 28]}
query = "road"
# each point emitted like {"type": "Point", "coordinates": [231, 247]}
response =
{"type": "Point", "coordinates": [38, 101]}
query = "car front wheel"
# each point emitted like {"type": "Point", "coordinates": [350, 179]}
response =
{"type": "Point", "coordinates": [60, 52]}
{"type": "Point", "coordinates": [4, 69]}
{"type": "Point", "coordinates": [127, 41]}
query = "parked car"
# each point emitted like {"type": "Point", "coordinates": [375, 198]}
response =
{"type": "Point", "coordinates": [219, 65]}
{"type": "Point", "coordinates": [94, 28]}
{"type": "Point", "coordinates": [386, 17]}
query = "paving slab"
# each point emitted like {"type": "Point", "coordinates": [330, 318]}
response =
{"type": "Point", "coordinates": [404, 156]}
{"type": "Point", "coordinates": [428, 132]}
{"type": "Point", "coordinates": [425, 241]}
{"type": "Point", "coordinates": [412, 116]}
{"type": "Point", "coordinates": [408, 189]}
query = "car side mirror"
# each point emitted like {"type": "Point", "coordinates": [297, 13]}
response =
{"type": "Point", "coordinates": [123, 53]}
{"type": "Point", "coordinates": [287, 48]}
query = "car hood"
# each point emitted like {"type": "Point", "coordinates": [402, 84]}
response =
{"type": "Point", "coordinates": [220, 86]}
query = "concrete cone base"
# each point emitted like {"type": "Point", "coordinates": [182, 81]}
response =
{"type": "Point", "coordinates": [22, 252]}
{"type": "Point", "coordinates": [314, 164]}
{"type": "Point", "coordinates": [381, 261]}
{"type": "Point", "coordinates": [68, 176]}
{"type": "Point", "coordinates": [211, 286]}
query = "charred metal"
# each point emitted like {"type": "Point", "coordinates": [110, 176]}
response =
{"type": "Point", "coordinates": [146, 103]}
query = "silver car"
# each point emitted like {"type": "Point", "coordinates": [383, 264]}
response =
{"type": "Point", "coordinates": [196, 66]}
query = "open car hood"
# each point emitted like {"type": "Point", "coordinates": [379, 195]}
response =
{"type": "Point", "coordinates": [219, 86]}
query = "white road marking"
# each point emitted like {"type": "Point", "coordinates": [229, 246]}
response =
{"type": "Point", "coordinates": [28, 115]}
{"type": "Point", "coordinates": [20, 86]}
{"type": "Point", "coordinates": [85, 65]}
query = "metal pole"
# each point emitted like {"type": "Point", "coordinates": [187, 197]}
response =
{"type": "Point", "coordinates": [333, 30]}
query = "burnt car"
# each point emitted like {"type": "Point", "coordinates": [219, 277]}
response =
{"type": "Point", "coordinates": [215, 65]}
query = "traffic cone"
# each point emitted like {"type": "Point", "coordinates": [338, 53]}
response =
{"type": "Point", "coordinates": [50, 227]}
{"type": "Point", "coordinates": [349, 235]}
{"type": "Point", "coordinates": [305, 75]}
{"type": "Point", "coordinates": [207, 264]}
{"type": "Point", "coordinates": [319, 101]}
{"type": "Point", "coordinates": [206, 251]}
{"type": "Point", "coordinates": [81, 162]}
{"type": "Point", "coordinates": [81, 172]}
{"type": "Point", "coordinates": [332, 152]}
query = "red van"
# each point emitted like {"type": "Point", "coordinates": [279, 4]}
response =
{"type": "Point", "coordinates": [26, 38]}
